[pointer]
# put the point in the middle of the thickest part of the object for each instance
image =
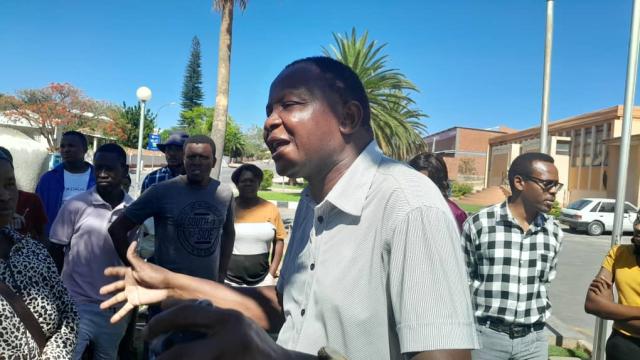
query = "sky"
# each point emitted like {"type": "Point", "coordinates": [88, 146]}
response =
{"type": "Point", "coordinates": [476, 63]}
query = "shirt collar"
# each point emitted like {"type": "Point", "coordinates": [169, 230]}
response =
{"type": "Point", "coordinates": [350, 192]}
{"type": "Point", "coordinates": [504, 214]}
{"type": "Point", "coordinates": [97, 200]}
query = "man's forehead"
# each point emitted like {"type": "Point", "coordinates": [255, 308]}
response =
{"type": "Point", "coordinates": [544, 168]}
{"type": "Point", "coordinates": [300, 78]}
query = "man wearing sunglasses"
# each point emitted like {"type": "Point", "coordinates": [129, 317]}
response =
{"type": "Point", "coordinates": [511, 250]}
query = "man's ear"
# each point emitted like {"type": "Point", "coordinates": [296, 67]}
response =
{"type": "Point", "coordinates": [351, 117]}
{"type": "Point", "coordinates": [518, 182]}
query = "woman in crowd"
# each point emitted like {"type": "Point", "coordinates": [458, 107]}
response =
{"type": "Point", "coordinates": [259, 230]}
{"type": "Point", "coordinates": [29, 218]}
{"type": "Point", "coordinates": [621, 267]}
{"type": "Point", "coordinates": [38, 318]}
{"type": "Point", "coordinates": [435, 168]}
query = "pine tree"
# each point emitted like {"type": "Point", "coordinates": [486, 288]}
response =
{"type": "Point", "coordinates": [192, 94]}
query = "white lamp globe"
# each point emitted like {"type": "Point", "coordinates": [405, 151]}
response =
{"type": "Point", "coordinates": [143, 93]}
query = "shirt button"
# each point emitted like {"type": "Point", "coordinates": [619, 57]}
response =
{"type": "Point", "coordinates": [312, 266]}
{"type": "Point", "coordinates": [320, 219]}
{"type": "Point", "coordinates": [302, 312]}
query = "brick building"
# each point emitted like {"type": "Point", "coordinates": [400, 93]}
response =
{"type": "Point", "coordinates": [586, 150]}
{"type": "Point", "coordinates": [465, 151]}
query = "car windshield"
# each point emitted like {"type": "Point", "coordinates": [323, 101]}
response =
{"type": "Point", "coordinates": [579, 205]}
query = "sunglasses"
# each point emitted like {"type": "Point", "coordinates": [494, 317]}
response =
{"type": "Point", "coordinates": [545, 185]}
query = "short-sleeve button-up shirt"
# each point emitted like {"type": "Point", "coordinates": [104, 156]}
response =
{"type": "Point", "coordinates": [375, 270]}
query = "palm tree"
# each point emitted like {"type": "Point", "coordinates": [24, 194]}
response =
{"type": "Point", "coordinates": [225, 7]}
{"type": "Point", "coordinates": [397, 126]}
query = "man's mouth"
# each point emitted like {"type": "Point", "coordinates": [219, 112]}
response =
{"type": "Point", "coordinates": [275, 145]}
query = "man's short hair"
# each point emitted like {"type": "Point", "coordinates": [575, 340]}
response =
{"type": "Point", "coordinates": [201, 139]}
{"type": "Point", "coordinates": [235, 176]}
{"type": "Point", "coordinates": [342, 80]}
{"type": "Point", "coordinates": [6, 156]}
{"type": "Point", "coordinates": [436, 167]}
{"type": "Point", "coordinates": [112, 148]}
{"type": "Point", "coordinates": [79, 135]}
{"type": "Point", "coordinates": [523, 165]}
{"type": "Point", "coordinates": [6, 153]}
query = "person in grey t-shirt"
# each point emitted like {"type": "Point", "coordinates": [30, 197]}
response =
{"type": "Point", "coordinates": [193, 216]}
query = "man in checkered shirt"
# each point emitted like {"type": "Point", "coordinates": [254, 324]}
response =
{"type": "Point", "coordinates": [172, 149]}
{"type": "Point", "coordinates": [511, 250]}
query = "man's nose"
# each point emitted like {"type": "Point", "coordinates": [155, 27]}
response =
{"type": "Point", "coordinates": [272, 122]}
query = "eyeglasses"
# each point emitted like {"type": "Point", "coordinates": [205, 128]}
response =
{"type": "Point", "coordinates": [546, 185]}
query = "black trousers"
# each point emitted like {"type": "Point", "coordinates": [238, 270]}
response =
{"type": "Point", "coordinates": [622, 347]}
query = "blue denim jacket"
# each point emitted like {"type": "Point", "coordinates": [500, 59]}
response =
{"type": "Point", "coordinates": [51, 188]}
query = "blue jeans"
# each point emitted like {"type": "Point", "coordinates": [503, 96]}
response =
{"type": "Point", "coordinates": [495, 345]}
{"type": "Point", "coordinates": [96, 328]}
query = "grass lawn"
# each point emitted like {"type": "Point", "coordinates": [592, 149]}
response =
{"type": "Point", "coordinates": [275, 186]}
{"type": "Point", "coordinates": [558, 351]}
{"type": "Point", "coordinates": [470, 209]}
{"type": "Point", "coordinates": [279, 196]}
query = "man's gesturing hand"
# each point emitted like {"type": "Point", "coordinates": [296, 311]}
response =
{"type": "Point", "coordinates": [142, 283]}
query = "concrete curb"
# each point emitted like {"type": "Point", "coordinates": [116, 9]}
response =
{"type": "Point", "coordinates": [561, 334]}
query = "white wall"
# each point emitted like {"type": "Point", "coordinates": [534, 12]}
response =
{"type": "Point", "coordinates": [30, 158]}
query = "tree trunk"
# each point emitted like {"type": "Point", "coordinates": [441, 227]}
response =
{"type": "Point", "coordinates": [222, 95]}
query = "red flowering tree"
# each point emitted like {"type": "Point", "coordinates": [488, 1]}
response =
{"type": "Point", "coordinates": [57, 106]}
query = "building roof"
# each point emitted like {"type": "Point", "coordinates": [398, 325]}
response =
{"type": "Point", "coordinates": [501, 130]}
{"type": "Point", "coordinates": [592, 118]}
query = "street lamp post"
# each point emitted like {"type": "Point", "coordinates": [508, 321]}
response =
{"type": "Point", "coordinates": [144, 94]}
{"type": "Point", "coordinates": [546, 81]}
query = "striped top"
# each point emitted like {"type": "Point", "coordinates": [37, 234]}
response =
{"type": "Point", "coordinates": [256, 228]}
{"type": "Point", "coordinates": [376, 270]}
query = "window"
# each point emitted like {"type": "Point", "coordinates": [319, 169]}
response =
{"type": "Point", "coordinates": [563, 147]}
{"type": "Point", "coordinates": [595, 208]}
{"type": "Point", "coordinates": [608, 135]}
{"type": "Point", "coordinates": [575, 149]}
{"type": "Point", "coordinates": [586, 149]}
{"type": "Point", "coordinates": [607, 207]}
{"type": "Point", "coordinates": [598, 151]}
{"type": "Point", "coordinates": [629, 208]}
{"type": "Point", "coordinates": [579, 205]}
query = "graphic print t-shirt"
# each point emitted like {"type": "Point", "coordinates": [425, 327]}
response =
{"type": "Point", "coordinates": [188, 224]}
{"type": "Point", "coordinates": [74, 184]}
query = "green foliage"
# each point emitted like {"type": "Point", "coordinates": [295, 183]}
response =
{"type": "Point", "coordinates": [555, 210]}
{"type": "Point", "coordinates": [267, 180]}
{"type": "Point", "coordinates": [128, 118]}
{"type": "Point", "coordinates": [234, 142]}
{"type": "Point", "coordinates": [396, 124]}
{"type": "Point", "coordinates": [192, 94]}
{"type": "Point", "coordinates": [254, 144]}
{"type": "Point", "coordinates": [199, 120]}
{"type": "Point", "coordinates": [460, 189]}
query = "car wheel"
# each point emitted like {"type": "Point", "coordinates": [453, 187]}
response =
{"type": "Point", "coordinates": [595, 228]}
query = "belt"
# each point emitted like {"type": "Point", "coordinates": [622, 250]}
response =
{"type": "Point", "coordinates": [513, 330]}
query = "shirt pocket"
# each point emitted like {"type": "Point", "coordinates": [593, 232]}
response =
{"type": "Point", "coordinates": [543, 266]}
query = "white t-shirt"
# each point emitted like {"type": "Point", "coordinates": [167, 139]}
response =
{"type": "Point", "coordinates": [75, 183]}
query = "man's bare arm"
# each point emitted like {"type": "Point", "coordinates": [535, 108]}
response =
{"type": "Point", "coordinates": [118, 232]}
{"type": "Point", "coordinates": [600, 302]}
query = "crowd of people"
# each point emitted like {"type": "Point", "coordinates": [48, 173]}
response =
{"type": "Point", "coordinates": [380, 263]}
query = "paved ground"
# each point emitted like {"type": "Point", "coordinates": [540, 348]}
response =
{"type": "Point", "coordinates": [579, 262]}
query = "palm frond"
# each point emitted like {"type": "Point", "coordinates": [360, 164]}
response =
{"type": "Point", "coordinates": [397, 125]}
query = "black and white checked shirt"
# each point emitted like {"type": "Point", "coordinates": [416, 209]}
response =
{"type": "Point", "coordinates": [157, 176]}
{"type": "Point", "coordinates": [509, 269]}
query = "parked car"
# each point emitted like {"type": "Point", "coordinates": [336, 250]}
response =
{"type": "Point", "coordinates": [595, 215]}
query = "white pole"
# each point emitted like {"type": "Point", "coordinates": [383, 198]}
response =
{"type": "Point", "coordinates": [140, 134]}
{"type": "Point", "coordinates": [600, 337]}
{"type": "Point", "coordinates": [548, 45]}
